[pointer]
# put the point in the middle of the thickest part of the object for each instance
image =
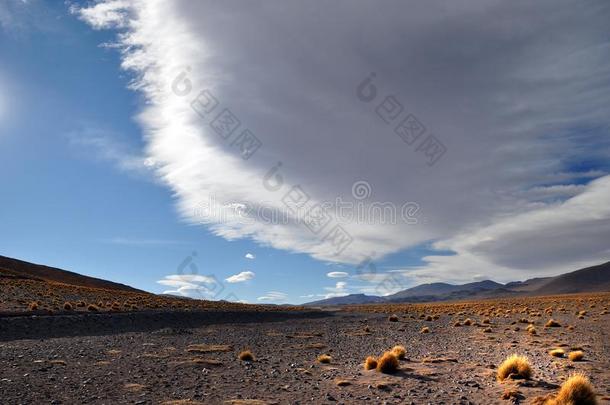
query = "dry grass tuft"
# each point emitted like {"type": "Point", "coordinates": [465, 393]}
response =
{"type": "Point", "coordinates": [68, 306]}
{"type": "Point", "coordinates": [557, 352]}
{"type": "Point", "coordinates": [324, 358]}
{"type": "Point", "coordinates": [425, 330]}
{"type": "Point", "coordinates": [577, 390]}
{"type": "Point", "coordinates": [387, 363]}
{"type": "Point", "coordinates": [246, 355]}
{"type": "Point", "coordinates": [33, 306]}
{"type": "Point", "coordinates": [576, 355]}
{"type": "Point", "coordinates": [370, 363]}
{"type": "Point", "coordinates": [399, 351]}
{"type": "Point", "coordinates": [552, 324]}
{"type": "Point", "coordinates": [457, 323]}
{"type": "Point", "coordinates": [515, 367]}
{"type": "Point", "coordinates": [393, 318]}
{"type": "Point", "coordinates": [92, 308]}
{"type": "Point", "coordinates": [468, 322]}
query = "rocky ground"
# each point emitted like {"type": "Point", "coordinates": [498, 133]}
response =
{"type": "Point", "coordinates": [190, 363]}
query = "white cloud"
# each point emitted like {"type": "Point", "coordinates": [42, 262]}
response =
{"type": "Point", "coordinates": [105, 14]}
{"type": "Point", "coordinates": [276, 296]}
{"type": "Point", "coordinates": [191, 285]}
{"type": "Point", "coordinates": [192, 278]}
{"type": "Point", "coordinates": [337, 274]}
{"type": "Point", "coordinates": [339, 290]}
{"type": "Point", "coordinates": [241, 277]}
{"type": "Point", "coordinates": [514, 110]}
{"type": "Point", "coordinates": [250, 256]}
{"type": "Point", "coordinates": [550, 240]}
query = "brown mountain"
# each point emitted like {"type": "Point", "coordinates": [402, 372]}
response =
{"type": "Point", "coordinates": [13, 268]}
{"type": "Point", "coordinates": [590, 279]}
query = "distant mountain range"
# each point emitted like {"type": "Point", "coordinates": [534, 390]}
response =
{"type": "Point", "coordinates": [590, 279]}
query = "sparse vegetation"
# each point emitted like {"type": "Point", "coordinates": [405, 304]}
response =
{"type": "Point", "coordinates": [387, 363]}
{"type": "Point", "coordinates": [557, 352]}
{"type": "Point", "coordinates": [370, 363]}
{"type": "Point", "coordinates": [551, 323]}
{"type": "Point", "coordinates": [324, 358]}
{"type": "Point", "coordinates": [425, 330]}
{"type": "Point", "coordinates": [576, 390]}
{"type": "Point", "coordinates": [515, 367]}
{"type": "Point", "coordinates": [399, 351]}
{"type": "Point", "coordinates": [576, 355]}
{"type": "Point", "coordinates": [393, 318]}
{"type": "Point", "coordinates": [246, 355]}
{"type": "Point", "coordinates": [68, 306]}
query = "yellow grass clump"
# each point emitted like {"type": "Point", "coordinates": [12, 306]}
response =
{"type": "Point", "coordinates": [515, 367]}
{"type": "Point", "coordinates": [551, 323]}
{"type": "Point", "coordinates": [557, 352]}
{"type": "Point", "coordinates": [370, 363]}
{"type": "Point", "coordinates": [387, 363]}
{"type": "Point", "coordinates": [324, 358]}
{"type": "Point", "coordinates": [399, 351]}
{"type": "Point", "coordinates": [577, 390]}
{"type": "Point", "coordinates": [393, 318]}
{"type": "Point", "coordinates": [576, 355]}
{"type": "Point", "coordinates": [246, 355]}
{"type": "Point", "coordinates": [425, 330]}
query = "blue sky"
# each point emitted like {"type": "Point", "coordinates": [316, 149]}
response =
{"type": "Point", "coordinates": [63, 207]}
{"type": "Point", "coordinates": [95, 182]}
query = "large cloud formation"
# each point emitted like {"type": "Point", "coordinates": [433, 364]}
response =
{"type": "Point", "coordinates": [517, 92]}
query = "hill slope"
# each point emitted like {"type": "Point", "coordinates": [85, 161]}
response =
{"type": "Point", "coordinates": [348, 300]}
{"type": "Point", "coordinates": [590, 279]}
{"type": "Point", "coordinates": [19, 269]}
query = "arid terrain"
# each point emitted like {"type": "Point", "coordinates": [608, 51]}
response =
{"type": "Point", "coordinates": [180, 357]}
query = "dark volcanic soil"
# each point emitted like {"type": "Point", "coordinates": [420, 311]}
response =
{"type": "Point", "coordinates": [449, 365]}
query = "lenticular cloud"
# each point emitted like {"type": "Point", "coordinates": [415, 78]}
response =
{"type": "Point", "coordinates": [262, 120]}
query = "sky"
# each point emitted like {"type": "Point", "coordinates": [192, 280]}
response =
{"type": "Point", "coordinates": [284, 151]}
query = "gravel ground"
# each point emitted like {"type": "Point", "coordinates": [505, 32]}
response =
{"type": "Point", "coordinates": [449, 365]}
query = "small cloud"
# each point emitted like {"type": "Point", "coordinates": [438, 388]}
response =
{"type": "Point", "coordinates": [339, 290]}
{"type": "Point", "coordinates": [241, 277]}
{"type": "Point", "coordinates": [308, 296]}
{"type": "Point", "coordinates": [337, 274]}
{"type": "Point", "coordinates": [193, 278]}
{"type": "Point", "coordinates": [190, 285]}
{"type": "Point", "coordinates": [250, 256]}
{"type": "Point", "coordinates": [273, 296]}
